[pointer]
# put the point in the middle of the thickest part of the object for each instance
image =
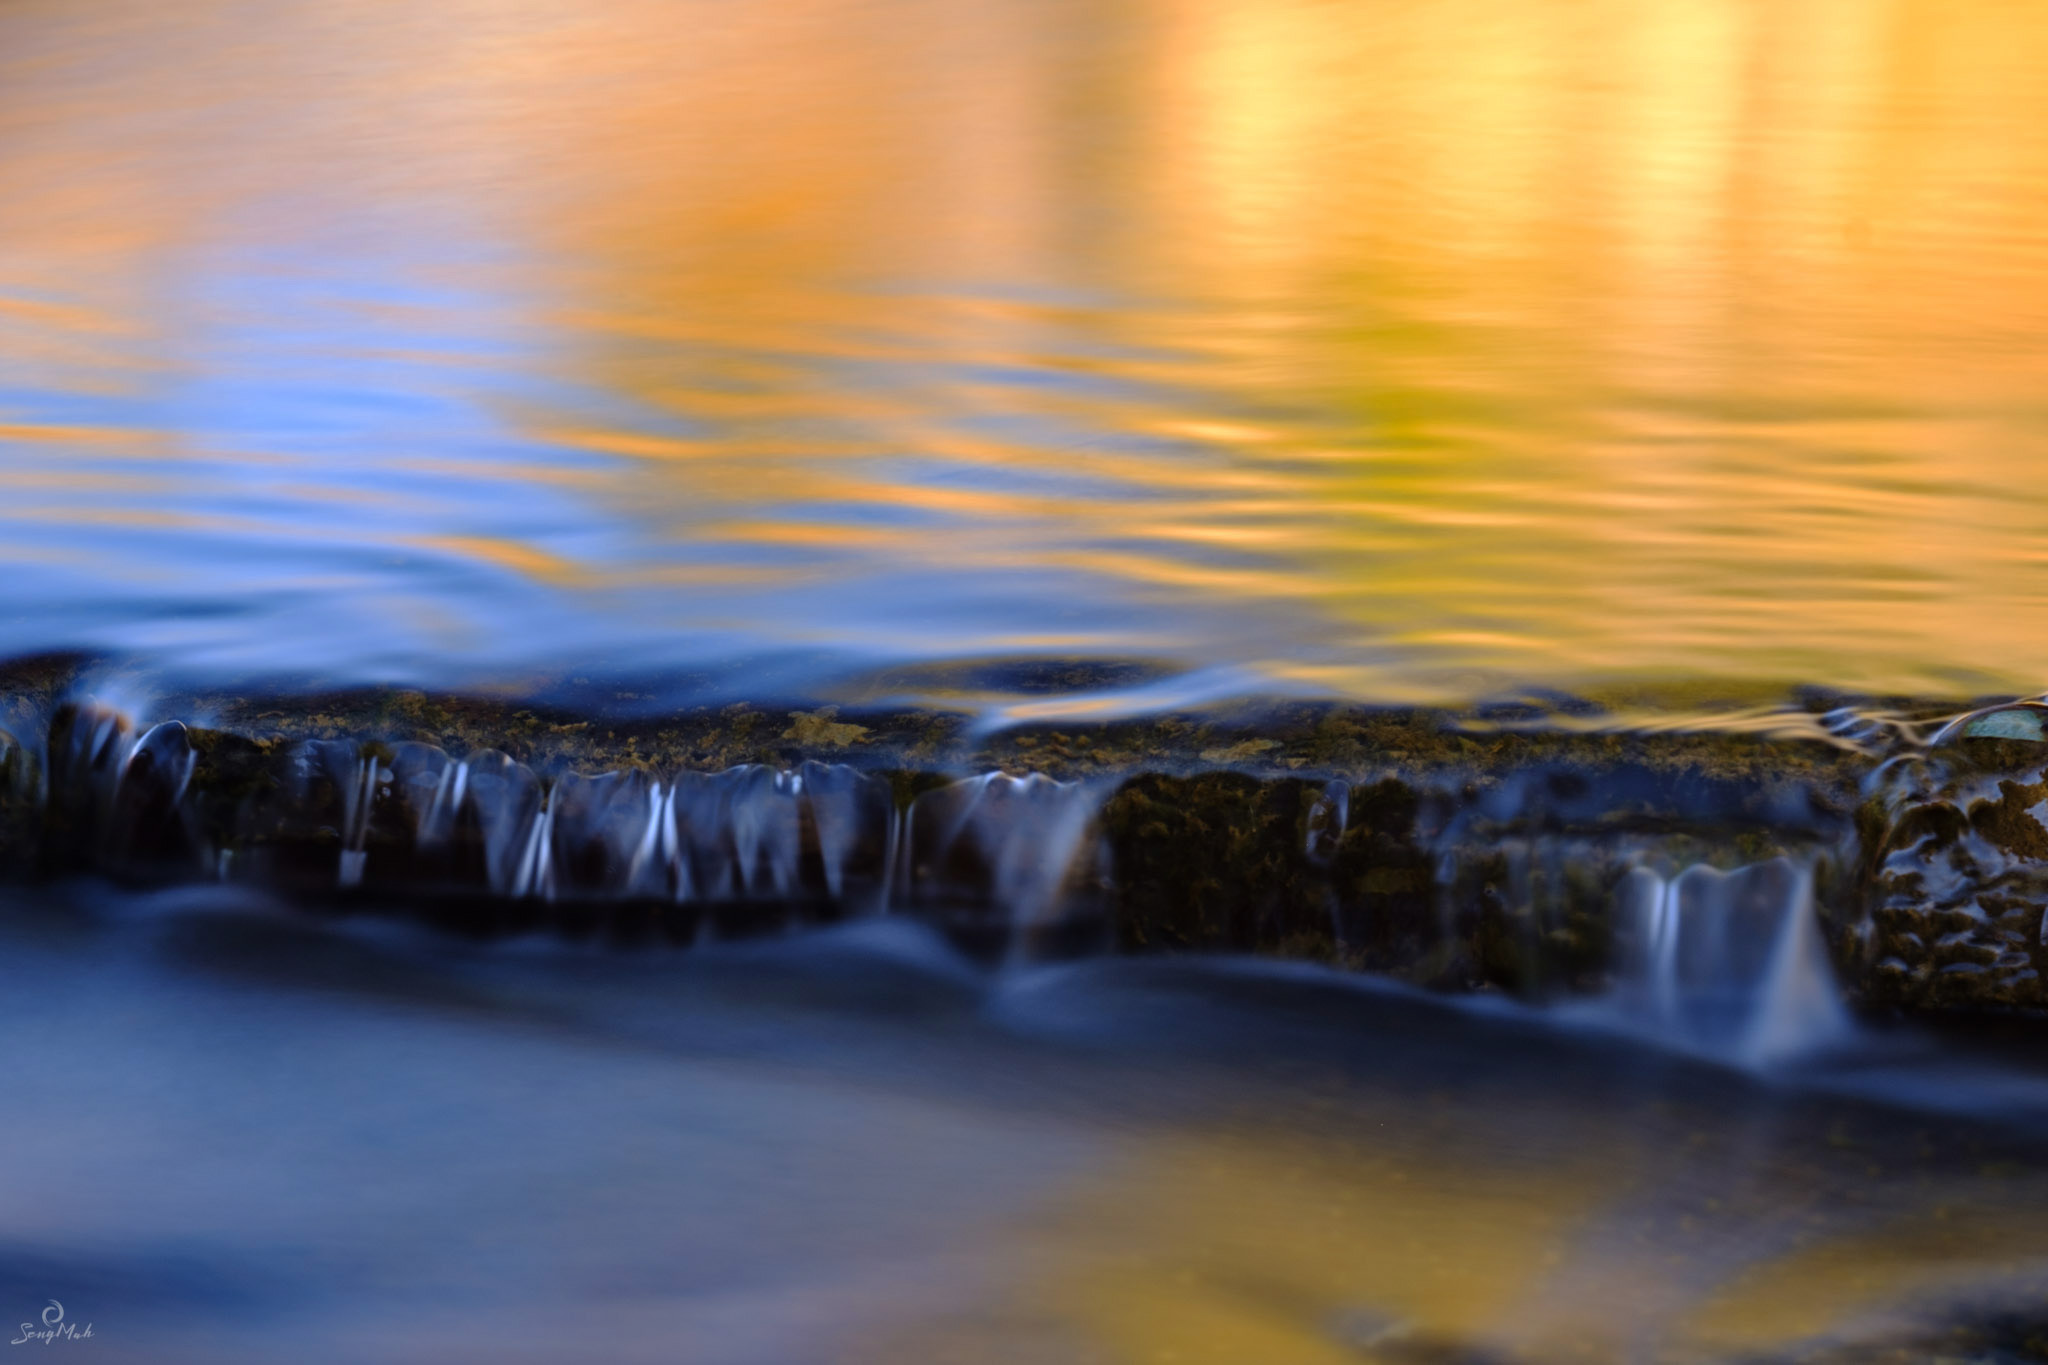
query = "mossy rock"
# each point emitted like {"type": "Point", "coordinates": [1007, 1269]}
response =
{"type": "Point", "coordinates": [1214, 861]}
{"type": "Point", "coordinates": [1471, 854]}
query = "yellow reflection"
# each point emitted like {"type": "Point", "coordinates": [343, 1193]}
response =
{"type": "Point", "coordinates": [1307, 1246]}
{"type": "Point", "coordinates": [1805, 1294]}
{"type": "Point", "coordinates": [505, 554]}
{"type": "Point", "coordinates": [43, 433]}
{"type": "Point", "coordinates": [1231, 1250]}
{"type": "Point", "coordinates": [1597, 285]}
{"type": "Point", "coordinates": [1414, 346]}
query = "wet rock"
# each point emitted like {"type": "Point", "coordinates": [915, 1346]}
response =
{"type": "Point", "coordinates": [1459, 853]}
{"type": "Point", "coordinates": [1957, 864]}
{"type": "Point", "coordinates": [1221, 861]}
{"type": "Point", "coordinates": [21, 804]}
{"type": "Point", "coordinates": [149, 823]}
{"type": "Point", "coordinates": [2019, 722]}
{"type": "Point", "coordinates": [115, 798]}
{"type": "Point", "coordinates": [1384, 897]}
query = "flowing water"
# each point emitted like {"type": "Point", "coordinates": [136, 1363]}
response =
{"type": "Point", "coordinates": [1045, 360]}
{"type": "Point", "coordinates": [1732, 962]}
{"type": "Point", "coordinates": [236, 1137]}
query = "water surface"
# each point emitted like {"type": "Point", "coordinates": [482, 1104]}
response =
{"type": "Point", "coordinates": [1401, 351]}
{"type": "Point", "coordinates": [239, 1136]}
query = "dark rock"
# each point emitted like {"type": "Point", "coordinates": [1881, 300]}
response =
{"type": "Point", "coordinates": [1957, 859]}
{"type": "Point", "coordinates": [1216, 861]}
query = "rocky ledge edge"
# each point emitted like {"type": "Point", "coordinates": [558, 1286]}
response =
{"type": "Point", "coordinates": [1455, 853]}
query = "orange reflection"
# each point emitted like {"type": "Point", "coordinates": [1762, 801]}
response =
{"type": "Point", "coordinates": [1411, 347]}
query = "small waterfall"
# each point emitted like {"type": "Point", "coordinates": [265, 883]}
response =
{"type": "Point", "coordinates": [852, 816]}
{"type": "Point", "coordinates": [1511, 884]}
{"type": "Point", "coordinates": [609, 835]}
{"type": "Point", "coordinates": [818, 840]}
{"type": "Point", "coordinates": [1730, 963]}
{"type": "Point", "coordinates": [1014, 844]}
{"type": "Point", "coordinates": [124, 791]}
{"type": "Point", "coordinates": [93, 755]}
{"type": "Point", "coordinates": [1323, 830]}
{"type": "Point", "coordinates": [743, 830]}
{"type": "Point", "coordinates": [506, 800]}
{"type": "Point", "coordinates": [353, 776]}
{"type": "Point", "coordinates": [1322, 833]}
{"type": "Point", "coordinates": [488, 800]}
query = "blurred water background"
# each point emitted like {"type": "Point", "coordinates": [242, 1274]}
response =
{"type": "Point", "coordinates": [1401, 351]}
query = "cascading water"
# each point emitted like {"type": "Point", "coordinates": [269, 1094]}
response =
{"type": "Point", "coordinates": [740, 832]}
{"type": "Point", "coordinates": [1016, 844]}
{"type": "Point", "coordinates": [612, 834]}
{"type": "Point", "coordinates": [1013, 868]}
{"type": "Point", "coordinates": [355, 776]}
{"type": "Point", "coordinates": [1730, 964]}
{"type": "Point", "coordinates": [749, 833]}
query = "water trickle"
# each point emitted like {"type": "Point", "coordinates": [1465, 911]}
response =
{"type": "Point", "coordinates": [488, 807]}
{"type": "Point", "coordinates": [162, 757]}
{"type": "Point", "coordinates": [408, 817]}
{"type": "Point", "coordinates": [417, 771]}
{"type": "Point", "coordinates": [1013, 844]}
{"type": "Point", "coordinates": [1730, 963]}
{"type": "Point", "coordinates": [738, 833]}
{"type": "Point", "coordinates": [351, 775]}
{"type": "Point", "coordinates": [505, 799]}
{"type": "Point", "coordinates": [606, 836]}
{"type": "Point", "coordinates": [450, 788]}
{"type": "Point", "coordinates": [123, 792]}
{"type": "Point", "coordinates": [1326, 822]}
{"type": "Point", "coordinates": [93, 752]}
{"type": "Point", "coordinates": [854, 825]}
{"type": "Point", "coordinates": [148, 820]}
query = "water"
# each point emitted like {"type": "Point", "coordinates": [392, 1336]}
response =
{"type": "Point", "coordinates": [1731, 963]}
{"type": "Point", "coordinates": [1047, 361]}
{"type": "Point", "coordinates": [239, 1137]}
{"type": "Point", "coordinates": [1411, 351]}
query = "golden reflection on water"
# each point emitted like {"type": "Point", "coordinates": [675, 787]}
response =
{"type": "Point", "coordinates": [1302, 1247]}
{"type": "Point", "coordinates": [1406, 349]}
